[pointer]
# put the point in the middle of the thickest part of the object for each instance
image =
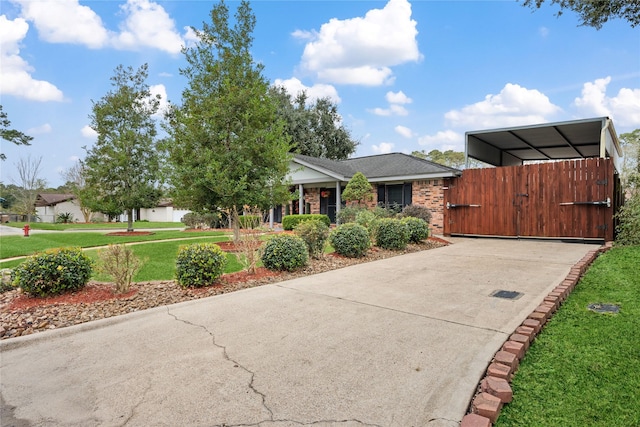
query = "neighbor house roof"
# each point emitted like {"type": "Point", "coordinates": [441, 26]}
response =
{"type": "Point", "coordinates": [382, 167]}
{"type": "Point", "coordinates": [52, 199]}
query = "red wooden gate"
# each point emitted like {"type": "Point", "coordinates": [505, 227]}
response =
{"type": "Point", "coordinates": [569, 199]}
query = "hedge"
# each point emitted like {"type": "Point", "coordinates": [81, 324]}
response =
{"type": "Point", "coordinates": [289, 222]}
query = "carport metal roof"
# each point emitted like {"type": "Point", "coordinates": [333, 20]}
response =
{"type": "Point", "coordinates": [577, 139]}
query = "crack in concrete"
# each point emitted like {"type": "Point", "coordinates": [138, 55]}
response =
{"type": "Point", "coordinates": [142, 399]}
{"type": "Point", "coordinates": [456, 423]}
{"type": "Point", "coordinates": [396, 310]}
{"type": "Point", "coordinates": [311, 423]}
{"type": "Point", "coordinates": [235, 362]}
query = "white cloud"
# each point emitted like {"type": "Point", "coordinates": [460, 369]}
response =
{"type": "Point", "coordinates": [303, 35]}
{"type": "Point", "coordinates": [361, 50]}
{"type": "Point", "coordinates": [295, 86]}
{"type": "Point", "coordinates": [15, 72]}
{"type": "Point", "coordinates": [543, 31]}
{"type": "Point", "coordinates": [65, 21]}
{"type": "Point", "coordinates": [88, 132]}
{"type": "Point", "coordinates": [398, 98]}
{"type": "Point", "coordinates": [513, 106]}
{"type": "Point", "coordinates": [624, 108]}
{"type": "Point", "coordinates": [404, 131]}
{"type": "Point", "coordinates": [443, 140]}
{"type": "Point", "coordinates": [148, 25]}
{"type": "Point", "coordinates": [74, 158]}
{"type": "Point", "coordinates": [382, 148]}
{"type": "Point", "coordinates": [164, 100]}
{"type": "Point", "coordinates": [45, 128]}
{"type": "Point", "coordinates": [393, 110]}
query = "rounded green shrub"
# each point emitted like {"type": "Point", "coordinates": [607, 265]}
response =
{"type": "Point", "coordinates": [392, 234]}
{"type": "Point", "coordinates": [199, 264]}
{"type": "Point", "coordinates": [418, 229]}
{"type": "Point", "coordinates": [350, 240]}
{"type": "Point", "coordinates": [53, 272]}
{"type": "Point", "coordinates": [289, 222]}
{"type": "Point", "coordinates": [348, 214]}
{"type": "Point", "coordinates": [285, 252]}
{"type": "Point", "coordinates": [314, 233]}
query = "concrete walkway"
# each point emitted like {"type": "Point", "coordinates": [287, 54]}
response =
{"type": "Point", "coordinates": [398, 342]}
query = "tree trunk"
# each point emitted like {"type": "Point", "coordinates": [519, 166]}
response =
{"type": "Point", "coordinates": [130, 220]}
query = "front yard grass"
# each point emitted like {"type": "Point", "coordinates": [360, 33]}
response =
{"type": "Point", "coordinates": [13, 246]}
{"type": "Point", "coordinates": [93, 226]}
{"type": "Point", "coordinates": [584, 368]}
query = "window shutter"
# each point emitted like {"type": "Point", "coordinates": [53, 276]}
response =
{"type": "Point", "coordinates": [407, 194]}
{"type": "Point", "coordinates": [381, 198]}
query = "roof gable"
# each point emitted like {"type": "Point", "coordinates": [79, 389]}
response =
{"type": "Point", "coordinates": [52, 199]}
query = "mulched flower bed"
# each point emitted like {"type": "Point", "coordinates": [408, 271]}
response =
{"type": "Point", "coordinates": [21, 314]}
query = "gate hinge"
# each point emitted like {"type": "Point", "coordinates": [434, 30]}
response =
{"type": "Point", "coordinates": [603, 227]}
{"type": "Point", "coordinates": [602, 182]}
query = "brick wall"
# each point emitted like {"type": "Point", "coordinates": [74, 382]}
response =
{"type": "Point", "coordinates": [312, 196]}
{"type": "Point", "coordinates": [430, 193]}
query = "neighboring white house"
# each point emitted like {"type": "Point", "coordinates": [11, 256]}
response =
{"type": "Point", "coordinates": [49, 206]}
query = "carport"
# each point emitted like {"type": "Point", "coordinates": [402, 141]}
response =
{"type": "Point", "coordinates": [553, 180]}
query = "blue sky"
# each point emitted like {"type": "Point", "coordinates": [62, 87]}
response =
{"type": "Point", "coordinates": [406, 75]}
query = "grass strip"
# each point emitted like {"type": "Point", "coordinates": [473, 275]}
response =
{"type": "Point", "coordinates": [12, 246]}
{"type": "Point", "coordinates": [584, 368]}
{"type": "Point", "coordinates": [94, 226]}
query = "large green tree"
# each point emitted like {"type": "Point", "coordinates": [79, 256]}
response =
{"type": "Point", "coordinates": [315, 128]}
{"type": "Point", "coordinates": [11, 135]}
{"type": "Point", "coordinates": [123, 166]}
{"type": "Point", "coordinates": [630, 173]}
{"type": "Point", "coordinates": [594, 13]}
{"type": "Point", "coordinates": [453, 159]}
{"type": "Point", "coordinates": [227, 148]}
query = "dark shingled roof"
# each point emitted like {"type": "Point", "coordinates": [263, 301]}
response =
{"type": "Point", "coordinates": [45, 199]}
{"type": "Point", "coordinates": [380, 166]}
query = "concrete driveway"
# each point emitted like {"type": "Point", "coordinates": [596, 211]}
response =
{"type": "Point", "coordinates": [398, 342]}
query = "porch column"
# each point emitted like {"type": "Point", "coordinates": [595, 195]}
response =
{"type": "Point", "coordinates": [271, 218]}
{"type": "Point", "coordinates": [301, 199]}
{"type": "Point", "coordinates": [338, 201]}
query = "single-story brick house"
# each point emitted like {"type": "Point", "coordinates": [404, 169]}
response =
{"type": "Point", "coordinates": [397, 179]}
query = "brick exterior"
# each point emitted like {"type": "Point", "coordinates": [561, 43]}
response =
{"type": "Point", "coordinates": [430, 193]}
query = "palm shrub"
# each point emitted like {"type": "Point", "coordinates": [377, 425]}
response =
{"type": "Point", "coordinates": [392, 234]}
{"type": "Point", "coordinates": [351, 240]}
{"type": "Point", "coordinates": [285, 252]}
{"type": "Point", "coordinates": [314, 233]}
{"type": "Point", "coordinates": [418, 229]}
{"type": "Point", "coordinates": [119, 262]}
{"type": "Point", "coordinates": [53, 272]}
{"type": "Point", "coordinates": [368, 220]}
{"type": "Point", "coordinates": [348, 214]}
{"type": "Point", "coordinates": [199, 264]}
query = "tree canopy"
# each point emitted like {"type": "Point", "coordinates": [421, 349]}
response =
{"type": "Point", "coordinates": [122, 168]}
{"type": "Point", "coordinates": [453, 159]}
{"type": "Point", "coordinates": [11, 135]}
{"type": "Point", "coordinates": [315, 128]}
{"type": "Point", "coordinates": [226, 148]}
{"type": "Point", "coordinates": [630, 173]}
{"type": "Point", "coordinates": [594, 13]}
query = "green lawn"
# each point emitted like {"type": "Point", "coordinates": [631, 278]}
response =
{"type": "Point", "coordinates": [93, 226]}
{"type": "Point", "coordinates": [12, 246]}
{"type": "Point", "coordinates": [584, 368]}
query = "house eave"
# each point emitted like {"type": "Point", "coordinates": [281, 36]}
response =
{"type": "Point", "coordinates": [322, 170]}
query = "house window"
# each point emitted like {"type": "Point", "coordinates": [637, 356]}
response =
{"type": "Point", "coordinates": [394, 196]}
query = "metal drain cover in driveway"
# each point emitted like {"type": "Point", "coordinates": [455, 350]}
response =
{"type": "Point", "coordinates": [604, 308]}
{"type": "Point", "coordinates": [506, 294]}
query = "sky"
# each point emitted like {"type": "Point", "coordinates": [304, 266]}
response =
{"type": "Point", "coordinates": [405, 75]}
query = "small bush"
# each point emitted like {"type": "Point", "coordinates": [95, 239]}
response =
{"type": "Point", "coordinates": [628, 228]}
{"type": "Point", "coordinates": [392, 234]}
{"type": "Point", "coordinates": [314, 233]}
{"type": "Point", "coordinates": [418, 229]}
{"type": "Point", "coordinates": [416, 211]}
{"type": "Point", "coordinates": [199, 264]}
{"type": "Point", "coordinates": [119, 262]}
{"type": "Point", "coordinates": [350, 240]}
{"type": "Point", "coordinates": [289, 222]}
{"type": "Point", "coordinates": [348, 214]}
{"type": "Point", "coordinates": [202, 220]}
{"type": "Point", "coordinates": [53, 272]}
{"type": "Point", "coordinates": [249, 221]}
{"type": "Point", "coordinates": [285, 252]}
{"type": "Point", "coordinates": [368, 220]}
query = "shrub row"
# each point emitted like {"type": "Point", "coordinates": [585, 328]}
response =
{"type": "Point", "coordinates": [289, 222]}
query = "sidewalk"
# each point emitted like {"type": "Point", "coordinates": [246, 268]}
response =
{"type": "Point", "coordinates": [397, 342]}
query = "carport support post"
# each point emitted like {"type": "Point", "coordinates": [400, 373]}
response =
{"type": "Point", "coordinates": [338, 201]}
{"type": "Point", "coordinates": [301, 199]}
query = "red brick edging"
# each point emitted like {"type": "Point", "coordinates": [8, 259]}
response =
{"type": "Point", "coordinates": [494, 389]}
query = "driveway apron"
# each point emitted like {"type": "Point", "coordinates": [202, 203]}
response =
{"type": "Point", "coordinates": [397, 342]}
